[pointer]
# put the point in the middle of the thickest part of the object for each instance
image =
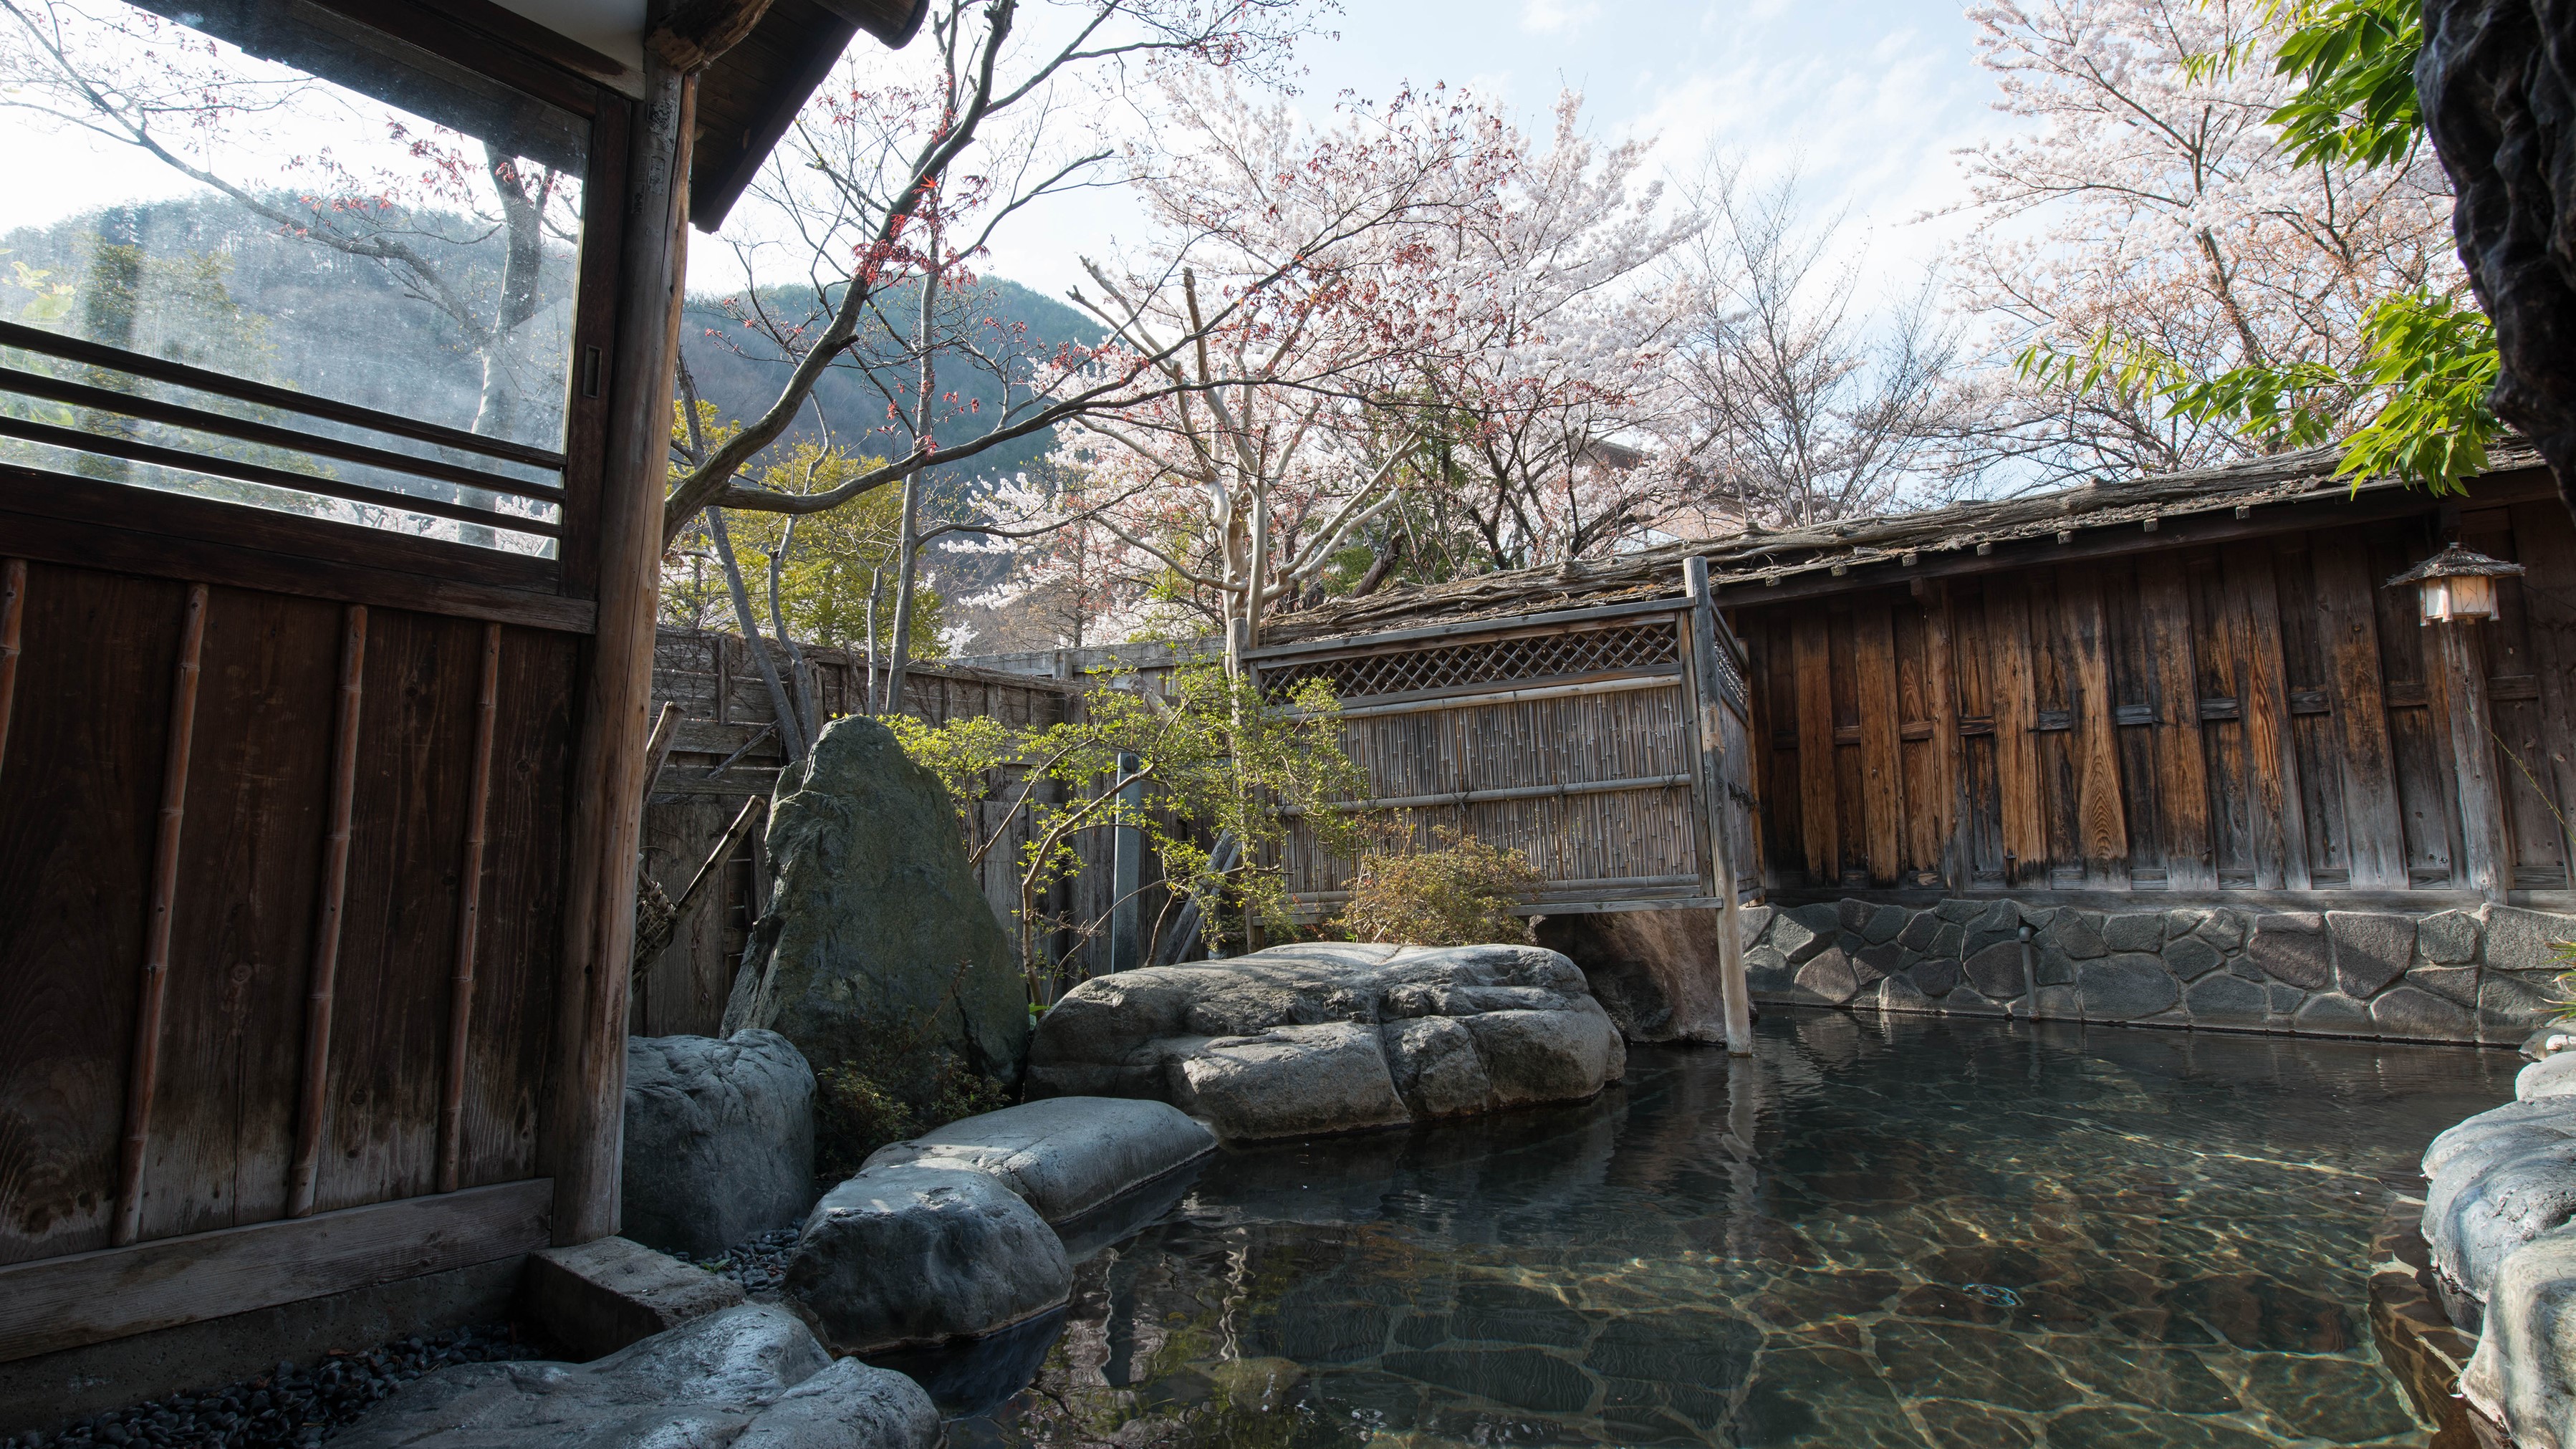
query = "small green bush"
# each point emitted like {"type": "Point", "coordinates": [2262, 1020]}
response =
{"type": "Point", "coordinates": [903, 1083]}
{"type": "Point", "coordinates": [1459, 893]}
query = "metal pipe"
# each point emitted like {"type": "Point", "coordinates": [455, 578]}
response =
{"type": "Point", "coordinates": [145, 1074]}
{"type": "Point", "coordinates": [300, 1186]}
{"type": "Point", "coordinates": [469, 919]}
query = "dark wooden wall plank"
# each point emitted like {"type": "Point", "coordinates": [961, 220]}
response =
{"type": "Point", "coordinates": [2536, 845]}
{"type": "Point", "coordinates": [2182, 771]}
{"type": "Point", "coordinates": [522, 899]}
{"type": "Point", "coordinates": [2102, 827]}
{"type": "Point", "coordinates": [2133, 700]}
{"type": "Point", "coordinates": [1851, 786]}
{"type": "Point", "coordinates": [1784, 816]}
{"type": "Point", "coordinates": [1882, 778]}
{"type": "Point", "coordinates": [2315, 756]}
{"type": "Point", "coordinates": [2419, 730]}
{"type": "Point", "coordinates": [2280, 826]}
{"type": "Point", "coordinates": [2025, 830]}
{"type": "Point", "coordinates": [2218, 650]}
{"type": "Point", "coordinates": [398, 943]}
{"type": "Point", "coordinates": [77, 811]}
{"type": "Point", "coordinates": [1971, 662]}
{"type": "Point", "coordinates": [2374, 835]}
{"type": "Point", "coordinates": [2052, 661]}
{"type": "Point", "coordinates": [223, 1126]}
{"type": "Point", "coordinates": [2544, 541]}
{"type": "Point", "coordinates": [1819, 837]}
{"type": "Point", "coordinates": [1943, 854]}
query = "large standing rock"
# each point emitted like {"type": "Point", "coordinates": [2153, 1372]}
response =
{"type": "Point", "coordinates": [876, 924]}
{"type": "Point", "coordinates": [1066, 1156]}
{"type": "Point", "coordinates": [919, 1255]}
{"type": "Point", "coordinates": [1655, 972]}
{"type": "Point", "coordinates": [719, 1140]}
{"type": "Point", "coordinates": [750, 1378]}
{"type": "Point", "coordinates": [1298, 1040]}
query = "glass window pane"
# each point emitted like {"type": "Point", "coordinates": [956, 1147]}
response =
{"type": "Point", "coordinates": [274, 194]}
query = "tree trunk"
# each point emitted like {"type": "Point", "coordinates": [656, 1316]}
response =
{"type": "Point", "coordinates": [789, 735]}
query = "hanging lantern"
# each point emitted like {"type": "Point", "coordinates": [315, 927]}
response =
{"type": "Point", "coordinates": [2456, 584]}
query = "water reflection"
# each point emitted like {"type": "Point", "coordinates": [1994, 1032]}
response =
{"type": "Point", "coordinates": [1900, 1232]}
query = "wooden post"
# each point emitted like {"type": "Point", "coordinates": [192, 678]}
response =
{"type": "Point", "coordinates": [584, 1116]}
{"type": "Point", "coordinates": [13, 611]}
{"type": "Point", "coordinates": [1712, 769]}
{"type": "Point", "coordinates": [2484, 857]}
{"type": "Point", "coordinates": [310, 1115]}
{"type": "Point", "coordinates": [469, 919]}
{"type": "Point", "coordinates": [145, 1072]}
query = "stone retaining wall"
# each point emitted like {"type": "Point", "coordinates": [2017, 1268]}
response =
{"type": "Point", "coordinates": [2476, 975]}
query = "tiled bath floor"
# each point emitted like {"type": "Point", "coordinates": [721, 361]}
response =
{"type": "Point", "coordinates": [1898, 1232]}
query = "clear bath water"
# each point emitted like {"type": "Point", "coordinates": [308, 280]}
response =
{"type": "Point", "coordinates": [1899, 1231]}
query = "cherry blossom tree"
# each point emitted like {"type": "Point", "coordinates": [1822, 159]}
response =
{"type": "Point", "coordinates": [2170, 235]}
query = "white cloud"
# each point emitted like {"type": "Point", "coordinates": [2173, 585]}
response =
{"type": "Point", "coordinates": [1555, 17]}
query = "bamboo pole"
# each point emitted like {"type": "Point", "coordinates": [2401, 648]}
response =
{"type": "Point", "coordinates": [1712, 754]}
{"type": "Point", "coordinates": [13, 608]}
{"type": "Point", "coordinates": [469, 916]}
{"type": "Point", "coordinates": [300, 1184]}
{"type": "Point", "coordinates": [145, 1072]}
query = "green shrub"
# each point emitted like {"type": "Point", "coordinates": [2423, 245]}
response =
{"type": "Point", "coordinates": [901, 1084]}
{"type": "Point", "coordinates": [1459, 893]}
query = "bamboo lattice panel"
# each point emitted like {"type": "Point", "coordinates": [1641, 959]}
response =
{"type": "Point", "coordinates": [1491, 661]}
{"type": "Point", "coordinates": [1619, 839]}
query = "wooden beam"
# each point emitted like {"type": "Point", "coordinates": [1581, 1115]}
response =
{"type": "Point", "coordinates": [312, 1111]}
{"type": "Point", "coordinates": [84, 1298]}
{"type": "Point", "coordinates": [144, 1070]}
{"type": "Point", "coordinates": [2025, 829]}
{"type": "Point", "coordinates": [1718, 807]}
{"type": "Point", "coordinates": [2182, 770]}
{"type": "Point", "coordinates": [583, 1116]}
{"type": "Point", "coordinates": [2102, 821]}
{"type": "Point", "coordinates": [2486, 861]}
{"type": "Point", "coordinates": [1882, 776]}
{"type": "Point", "coordinates": [1818, 830]}
{"type": "Point", "coordinates": [469, 918]}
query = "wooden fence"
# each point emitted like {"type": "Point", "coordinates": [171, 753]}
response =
{"type": "Point", "coordinates": [2253, 715]}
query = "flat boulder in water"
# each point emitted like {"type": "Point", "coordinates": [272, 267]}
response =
{"type": "Point", "coordinates": [910, 1255]}
{"type": "Point", "coordinates": [1301, 1040]}
{"type": "Point", "coordinates": [1065, 1156]}
{"type": "Point", "coordinates": [751, 1377]}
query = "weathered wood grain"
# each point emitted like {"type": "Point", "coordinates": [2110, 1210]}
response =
{"type": "Point", "coordinates": [223, 1130]}
{"type": "Point", "coordinates": [398, 932]}
{"type": "Point", "coordinates": [469, 908]}
{"type": "Point", "coordinates": [76, 830]}
{"type": "Point", "coordinates": [13, 602]}
{"type": "Point", "coordinates": [2545, 542]}
{"type": "Point", "coordinates": [2419, 721]}
{"type": "Point", "coordinates": [1818, 834]}
{"type": "Point", "coordinates": [2182, 780]}
{"type": "Point", "coordinates": [2348, 631]}
{"type": "Point", "coordinates": [2280, 824]}
{"type": "Point", "coordinates": [2101, 821]}
{"type": "Point", "coordinates": [84, 1298]}
{"type": "Point", "coordinates": [143, 1072]}
{"type": "Point", "coordinates": [313, 1107]}
{"type": "Point", "coordinates": [2486, 854]}
{"type": "Point", "coordinates": [1717, 808]}
{"type": "Point", "coordinates": [2025, 833]}
{"type": "Point", "coordinates": [1882, 778]}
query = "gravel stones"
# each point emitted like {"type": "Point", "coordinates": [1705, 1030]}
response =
{"type": "Point", "coordinates": [1293, 1041]}
{"type": "Point", "coordinates": [293, 1405]}
{"type": "Point", "coordinates": [719, 1140]}
{"type": "Point", "coordinates": [920, 1255]}
{"type": "Point", "coordinates": [751, 1377]}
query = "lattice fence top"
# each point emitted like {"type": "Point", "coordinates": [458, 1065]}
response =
{"type": "Point", "coordinates": [1730, 679]}
{"type": "Point", "coordinates": [1489, 661]}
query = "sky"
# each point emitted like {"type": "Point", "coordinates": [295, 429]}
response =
{"type": "Point", "coordinates": [1864, 100]}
